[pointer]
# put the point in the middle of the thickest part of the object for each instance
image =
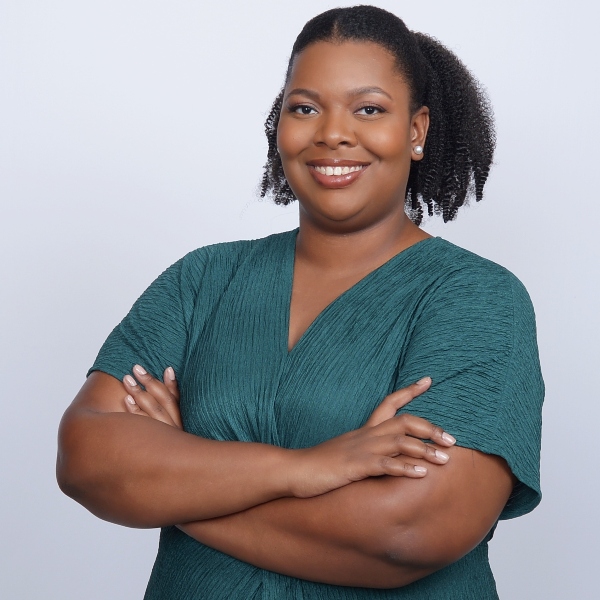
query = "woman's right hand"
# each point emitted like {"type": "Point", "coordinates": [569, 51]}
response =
{"type": "Point", "coordinates": [385, 445]}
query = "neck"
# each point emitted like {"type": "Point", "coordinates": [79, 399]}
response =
{"type": "Point", "coordinates": [355, 251]}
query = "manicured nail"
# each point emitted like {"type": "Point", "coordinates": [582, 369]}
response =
{"type": "Point", "coordinates": [171, 373]}
{"type": "Point", "coordinates": [424, 381]}
{"type": "Point", "coordinates": [130, 399]}
{"type": "Point", "coordinates": [448, 438]}
{"type": "Point", "coordinates": [420, 469]}
{"type": "Point", "coordinates": [441, 455]}
{"type": "Point", "coordinates": [139, 370]}
{"type": "Point", "coordinates": [130, 381]}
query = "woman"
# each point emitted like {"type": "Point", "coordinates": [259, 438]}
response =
{"type": "Point", "coordinates": [293, 354]}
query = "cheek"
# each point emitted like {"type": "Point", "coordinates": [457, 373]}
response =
{"type": "Point", "coordinates": [292, 137]}
{"type": "Point", "coordinates": [388, 141]}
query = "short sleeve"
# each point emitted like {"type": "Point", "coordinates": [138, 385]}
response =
{"type": "Point", "coordinates": [476, 337]}
{"type": "Point", "coordinates": [155, 332]}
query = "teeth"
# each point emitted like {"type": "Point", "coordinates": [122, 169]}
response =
{"type": "Point", "coordinates": [337, 170]}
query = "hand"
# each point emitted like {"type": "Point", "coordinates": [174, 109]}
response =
{"type": "Point", "coordinates": [160, 400]}
{"type": "Point", "coordinates": [380, 447]}
{"type": "Point", "coordinates": [377, 448]}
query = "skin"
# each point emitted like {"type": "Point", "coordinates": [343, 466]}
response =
{"type": "Point", "coordinates": [144, 473]}
{"type": "Point", "coordinates": [347, 233]}
{"type": "Point", "coordinates": [375, 507]}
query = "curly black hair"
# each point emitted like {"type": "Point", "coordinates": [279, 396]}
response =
{"type": "Point", "coordinates": [461, 137]}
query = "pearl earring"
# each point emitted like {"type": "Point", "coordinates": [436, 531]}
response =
{"type": "Point", "coordinates": [418, 149]}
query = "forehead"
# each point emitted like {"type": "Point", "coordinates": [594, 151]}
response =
{"type": "Point", "coordinates": [345, 64]}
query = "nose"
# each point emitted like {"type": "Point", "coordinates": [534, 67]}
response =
{"type": "Point", "coordinates": [335, 130]}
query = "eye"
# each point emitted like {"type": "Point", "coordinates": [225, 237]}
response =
{"type": "Point", "coordinates": [303, 109]}
{"type": "Point", "coordinates": [369, 110]}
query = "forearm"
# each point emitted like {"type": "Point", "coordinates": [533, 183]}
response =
{"type": "Point", "coordinates": [138, 471]}
{"type": "Point", "coordinates": [379, 532]}
{"type": "Point", "coordinates": [142, 473]}
{"type": "Point", "coordinates": [350, 536]}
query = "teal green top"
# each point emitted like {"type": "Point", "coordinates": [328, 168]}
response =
{"type": "Point", "coordinates": [220, 317]}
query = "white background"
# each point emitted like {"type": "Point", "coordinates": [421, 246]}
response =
{"type": "Point", "coordinates": [131, 133]}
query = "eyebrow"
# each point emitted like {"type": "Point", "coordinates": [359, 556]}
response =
{"type": "Point", "coordinates": [355, 92]}
{"type": "Point", "coordinates": [368, 90]}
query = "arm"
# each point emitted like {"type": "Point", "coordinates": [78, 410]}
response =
{"type": "Point", "coordinates": [377, 532]}
{"type": "Point", "coordinates": [388, 532]}
{"type": "Point", "coordinates": [380, 532]}
{"type": "Point", "coordinates": [142, 473]}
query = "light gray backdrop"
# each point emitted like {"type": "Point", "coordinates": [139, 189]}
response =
{"type": "Point", "coordinates": [131, 133]}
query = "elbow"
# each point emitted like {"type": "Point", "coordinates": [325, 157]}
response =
{"type": "Point", "coordinates": [420, 543]}
{"type": "Point", "coordinates": [91, 474]}
{"type": "Point", "coordinates": [84, 459]}
{"type": "Point", "coordinates": [404, 546]}
{"type": "Point", "coordinates": [106, 500]}
{"type": "Point", "coordinates": [71, 476]}
{"type": "Point", "coordinates": [78, 480]}
{"type": "Point", "coordinates": [66, 481]}
{"type": "Point", "coordinates": [70, 471]}
{"type": "Point", "coordinates": [413, 553]}
{"type": "Point", "coordinates": [79, 471]}
{"type": "Point", "coordinates": [418, 551]}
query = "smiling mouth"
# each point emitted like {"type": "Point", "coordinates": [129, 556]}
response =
{"type": "Point", "coordinates": [334, 171]}
{"type": "Point", "coordinates": [336, 174]}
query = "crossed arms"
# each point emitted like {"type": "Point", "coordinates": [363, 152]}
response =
{"type": "Point", "coordinates": [358, 510]}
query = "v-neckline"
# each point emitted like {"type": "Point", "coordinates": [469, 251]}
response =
{"type": "Point", "coordinates": [291, 263]}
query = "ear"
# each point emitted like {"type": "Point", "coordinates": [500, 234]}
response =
{"type": "Point", "coordinates": [419, 126]}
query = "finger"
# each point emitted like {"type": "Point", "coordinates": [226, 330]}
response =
{"type": "Point", "coordinates": [416, 427]}
{"type": "Point", "coordinates": [397, 467]}
{"type": "Point", "coordinates": [146, 401]}
{"type": "Point", "coordinates": [395, 445]}
{"type": "Point", "coordinates": [395, 401]}
{"type": "Point", "coordinates": [171, 383]}
{"type": "Point", "coordinates": [160, 392]}
{"type": "Point", "coordinates": [132, 407]}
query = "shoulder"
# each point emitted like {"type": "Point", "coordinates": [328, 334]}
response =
{"type": "Point", "coordinates": [237, 251]}
{"type": "Point", "coordinates": [223, 259]}
{"type": "Point", "coordinates": [477, 281]}
{"type": "Point", "coordinates": [468, 266]}
{"type": "Point", "coordinates": [472, 302]}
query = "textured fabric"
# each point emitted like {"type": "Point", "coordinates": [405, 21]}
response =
{"type": "Point", "coordinates": [220, 317]}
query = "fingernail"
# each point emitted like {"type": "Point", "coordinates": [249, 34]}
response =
{"type": "Point", "coordinates": [130, 399]}
{"type": "Point", "coordinates": [139, 370]}
{"type": "Point", "coordinates": [420, 469]}
{"type": "Point", "coordinates": [424, 381]}
{"type": "Point", "coordinates": [171, 373]}
{"type": "Point", "coordinates": [129, 380]}
{"type": "Point", "coordinates": [441, 455]}
{"type": "Point", "coordinates": [448, 438]}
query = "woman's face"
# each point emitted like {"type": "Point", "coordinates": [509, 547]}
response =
{"type": "Point", "coordinates": [346, 135]}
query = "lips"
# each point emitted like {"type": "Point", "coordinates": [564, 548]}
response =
{"type": "Point", "coordinates": [337, 170]}
{"type": "Point", "coordinates": [336, 173]}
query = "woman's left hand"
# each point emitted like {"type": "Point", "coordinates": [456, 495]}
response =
{"type": "Point", "coordinates": [159, 400]}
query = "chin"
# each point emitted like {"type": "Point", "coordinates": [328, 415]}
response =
{"type": "Point", "coordinates": [341, 221]}
{"type": "Point", "coordinates": [336, 208]}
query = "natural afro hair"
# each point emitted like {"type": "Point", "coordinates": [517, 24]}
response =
{"type": "Point", "coordinates": [461, 137]}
